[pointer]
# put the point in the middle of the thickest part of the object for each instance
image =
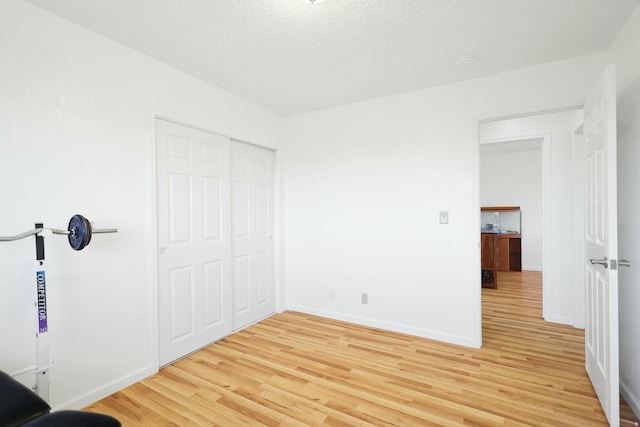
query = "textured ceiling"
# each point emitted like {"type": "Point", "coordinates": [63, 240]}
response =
{"type": "Point", "coordinates": [293, 57]}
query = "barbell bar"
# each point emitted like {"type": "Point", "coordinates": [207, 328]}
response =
{"type": "Point", "coordinates": [78, 232]}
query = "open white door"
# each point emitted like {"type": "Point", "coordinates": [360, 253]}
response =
{"type": "Point", "coordinates": [601, 244]}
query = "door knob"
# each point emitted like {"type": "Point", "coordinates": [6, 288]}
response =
{"type": "Point", "coordinates": [604, 261]}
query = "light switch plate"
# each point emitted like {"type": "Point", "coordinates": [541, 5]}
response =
{"type": "Point", "coordinates": [444, 217]}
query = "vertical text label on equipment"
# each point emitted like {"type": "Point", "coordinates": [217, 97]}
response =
{"type": "Point", "coordinates": [42, 301]}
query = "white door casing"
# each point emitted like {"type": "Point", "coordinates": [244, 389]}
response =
{"type": "Point", "coordinates": [601, 245]}
{"type": "Point", "coordinates": [252, 233]}
{"type": "Point", "coordinates": [194, 250]}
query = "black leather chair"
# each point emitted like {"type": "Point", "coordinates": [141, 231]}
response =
{"type": "Point", "coordinates": [19, 406]}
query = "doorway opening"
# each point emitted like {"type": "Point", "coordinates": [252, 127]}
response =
{"type": "Point", "coordinates": [511, 200]}
{"type": "Point", "coordinates": [532, 162]}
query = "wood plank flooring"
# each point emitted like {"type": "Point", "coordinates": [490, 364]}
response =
{"type": "Point", "coordinates": [294, 369]}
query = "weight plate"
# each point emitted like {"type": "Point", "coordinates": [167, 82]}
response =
{"type": "Point", "coordinates": [89, 230]}
{"type": "Point", "coordinates": [79, 232]}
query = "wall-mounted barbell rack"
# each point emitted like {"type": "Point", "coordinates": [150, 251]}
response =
{"type": "Point", "coordinates": [78, 232]}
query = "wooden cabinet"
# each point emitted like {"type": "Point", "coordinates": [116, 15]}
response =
{"type": "Point", "coordinates": [503, 254]}
{"type": "Point", "coordinates": [499, 252]}
{"type": "Point", "coordinates": [510, 252]}
{"type": "Point", "coordinates": [488, 250]}
{"type": "Point", "coordinates": [515, 253]}
{"type": "Point", "coordinates": [501, 243]}
{"type": "Point", "coordinates": [489, 259]}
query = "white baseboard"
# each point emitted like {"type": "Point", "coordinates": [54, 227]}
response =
{"type": "Point", "coordinates": [563, 320]}
{"type": "Point", "coordinates": [423, 333]}
{"type": "Point", "coordinates": [632, 399]}
{"type": "Point", "coordinates": [531, 268]}
{"type": "Point", "coordinates": [108, 389]}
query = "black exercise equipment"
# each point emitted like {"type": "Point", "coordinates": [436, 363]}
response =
{"type": "Point", "coordinates": [20, 406]}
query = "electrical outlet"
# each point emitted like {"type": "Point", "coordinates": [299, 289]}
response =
{"type": "Point", "coordinates": [364, 298]}
{"type": "Point", "coordinates": [444, 217]}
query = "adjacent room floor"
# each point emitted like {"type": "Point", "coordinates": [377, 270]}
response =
{"type": "Point", "coordinates": [296, 369]}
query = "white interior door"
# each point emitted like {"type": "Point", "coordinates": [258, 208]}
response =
{"type": "Point", "coordinates": [252, 233]}
{"type": "Point", "coordinates": [194, 247]}
{"type": "Point", "coordinates": [601, 245]}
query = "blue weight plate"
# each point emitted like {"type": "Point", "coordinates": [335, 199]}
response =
{"type": "Point", "coordinates": [79, 232]}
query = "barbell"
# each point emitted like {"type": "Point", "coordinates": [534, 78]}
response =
{"type": "Point", "coordinates": [78, 232]}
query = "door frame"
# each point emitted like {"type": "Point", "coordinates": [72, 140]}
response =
{"type": "Point", "coordinates": [574, 317]}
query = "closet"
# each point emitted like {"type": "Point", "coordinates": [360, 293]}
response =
{"type": "Point", "coordinates": [215, 246]}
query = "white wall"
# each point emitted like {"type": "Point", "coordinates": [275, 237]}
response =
{"type": "Point", "coordinates": [365, 184]}
{"type": "Point", "coordinates": [515, 179]}
{"type": "Point", "coordinates": [76, 136]}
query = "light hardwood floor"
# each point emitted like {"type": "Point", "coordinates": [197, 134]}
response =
{"type": "Point", "coordinates": [294, 369]}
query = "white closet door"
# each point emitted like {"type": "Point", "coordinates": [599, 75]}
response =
{"type": "Point", "coordinates": [194, 247]}
{"type": "Point", "coordinates": [252, 233]}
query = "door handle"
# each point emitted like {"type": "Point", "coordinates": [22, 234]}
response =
{"type": "Point", "coordinates": [604, 261]}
